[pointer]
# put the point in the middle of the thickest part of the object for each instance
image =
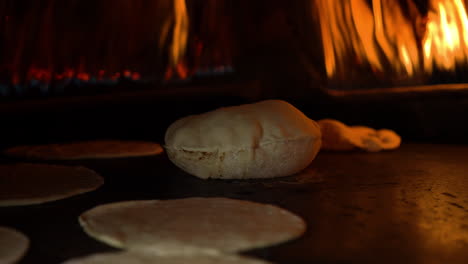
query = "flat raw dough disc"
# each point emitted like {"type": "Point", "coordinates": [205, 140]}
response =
{"type": "Point", "coordinates": [339, 137]}
{"type": "Point", "coordinates": [27, 184]}
{"type": "Point", "coordinates": [86, 150]}
{"type": "Point", "coordinates": [13, 245]}
{"type": "Point", "coordinates": [222, 224]}
{"type": "Point", "coordinates": [129, 257]}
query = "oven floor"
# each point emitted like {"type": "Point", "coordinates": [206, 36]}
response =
{"type": "Point", "coordinates": [404, 206]}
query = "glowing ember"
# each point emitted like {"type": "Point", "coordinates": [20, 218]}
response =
{"type": "Point", "coordinates": [38, 75]}
{"type": "Point", "coordinates": [387, 38]}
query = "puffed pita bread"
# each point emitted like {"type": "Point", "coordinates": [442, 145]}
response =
{"type": "Point", "coordinates": [262, 140]}
{"type": "Point", "coordinates": [13, 245]}
{"type": "Point", "coordinates": [86, 150]}
{"type": "Point", "coordinates": [27, 184]}
{"type": "Point", "coordinates": [340, 137]}
{"type": "Point", "coordinates": [135, 257]}
{"type": "Point", "coordinates": [222, 224]}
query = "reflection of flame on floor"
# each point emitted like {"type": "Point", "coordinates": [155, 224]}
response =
{"type": "Point", "coordinates": [391, 38]}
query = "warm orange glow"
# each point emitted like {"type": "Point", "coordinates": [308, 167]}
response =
{"type": "Point", "coordinates": [136, 76]}
{"type": "Point", "coordinates": [83, 76]}
{"type": "Point", "coordinates": [180, 71]}
{"type": "Point", "coordinates": [446, 39]}
{"type": "Point", "coordinates": [178, 45]}
{"type": "Point", "coordinates": [127, 74]}
{"type": "Point", "coordinates": [385, 36]}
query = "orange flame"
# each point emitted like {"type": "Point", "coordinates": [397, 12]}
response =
{"type": "Point", "coordinates": [446, 40]}
{"type": "Point", "coordinates": [178, 45]}
{"type": "Point", "coordinates": [385, 36]}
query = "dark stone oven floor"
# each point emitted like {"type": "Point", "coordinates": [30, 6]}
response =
{"type": "Point", "coordinates": [403, 206]}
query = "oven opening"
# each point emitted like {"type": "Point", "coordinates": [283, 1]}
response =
{"type": "Point", "coordinates": [52, 48]}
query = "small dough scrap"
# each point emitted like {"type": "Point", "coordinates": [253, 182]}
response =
{"type": "Point", "coordinates": [28, 184]}
{"type": "Point", "coordinates": [336, 135]}
{"type": "Point", "coordinates": [389, 139]}
{"type": "Point", "coordinates": [262, 140]}
{"type": "Point", "coordinates": [220, 224]}
{"type": "Point", "coordinates": [340, 137]}
{"type": "Point", "coordinates": [148, 257]}
{"type": "Point", "coordinates": [95, 149]}
{"type": "Point", "coordinates": [13, 245]}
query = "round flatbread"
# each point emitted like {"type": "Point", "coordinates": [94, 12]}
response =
{"type": "Point", "coordinates": [339, 137]}
{"type": "Point", "coordinates": [129, 257]}
{"type": "Point", "coordinates": [13, 245]}
{"type": "Point", "coordinates": [27, 184]}
{"type": "Point", "coordinates": [86, 150]}
{"type": "Point", "coordinates": [336, 135]}
{"type": "Point", "coordinates": [267, 139]}
{"type": "Point", "coordinates": [218, 223]}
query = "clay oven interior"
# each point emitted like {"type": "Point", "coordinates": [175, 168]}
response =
{"type": "Point", "coordinates": [92, 69]}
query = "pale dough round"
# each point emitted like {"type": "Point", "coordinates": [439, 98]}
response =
{"type": "Point", "coordinates": [130, 257]}
{"type": "Point", "coordinates": [222, 224]}
{"type": "Point", "coordinates": [86, 150]}
{"type": "Point", "coordinates": [13, 245]}
{"type": "Point", "coordinates": [263, 140]}
{"type": "Point", "coordinates": [339, 137]}
{"type": "Point", "coordinates": [27, 184]}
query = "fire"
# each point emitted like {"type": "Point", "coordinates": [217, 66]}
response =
{"type": "Point", "coordinates": [148, 41]}
{"type": "Point", "coordinates": [46, 36]}
{"type": "Point", "coordinates": [178, 44]}
{"type": "Point", "coordinates": [388, 37]}
{"type": "Point", "coordinates": [446, 40]}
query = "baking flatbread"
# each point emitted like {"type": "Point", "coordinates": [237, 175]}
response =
{"type": "Point", "coordinates": [222, 224]}
{"type": "Point", "coordinates": [27, 184]}
{"type": "Point", "coordinates": [86, 150]}
{"type": "Point", "coordinates": [340, 137]}
{"type": "Point", "coordinates": [131, 257]}
{"type": "Point", "coordinates": [13, 245]}
{"type": "Point", "coordinates": [262, 140]}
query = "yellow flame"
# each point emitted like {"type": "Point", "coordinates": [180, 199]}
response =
{"type": "Point", "coordinates": [383, 35]}
{"type": "Point", "coordinates": [446, 40]}
{"type": "Point", "coordinates": [405, 58]}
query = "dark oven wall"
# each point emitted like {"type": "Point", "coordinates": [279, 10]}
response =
{"type": "Point", "coordinates": [436, 117]}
